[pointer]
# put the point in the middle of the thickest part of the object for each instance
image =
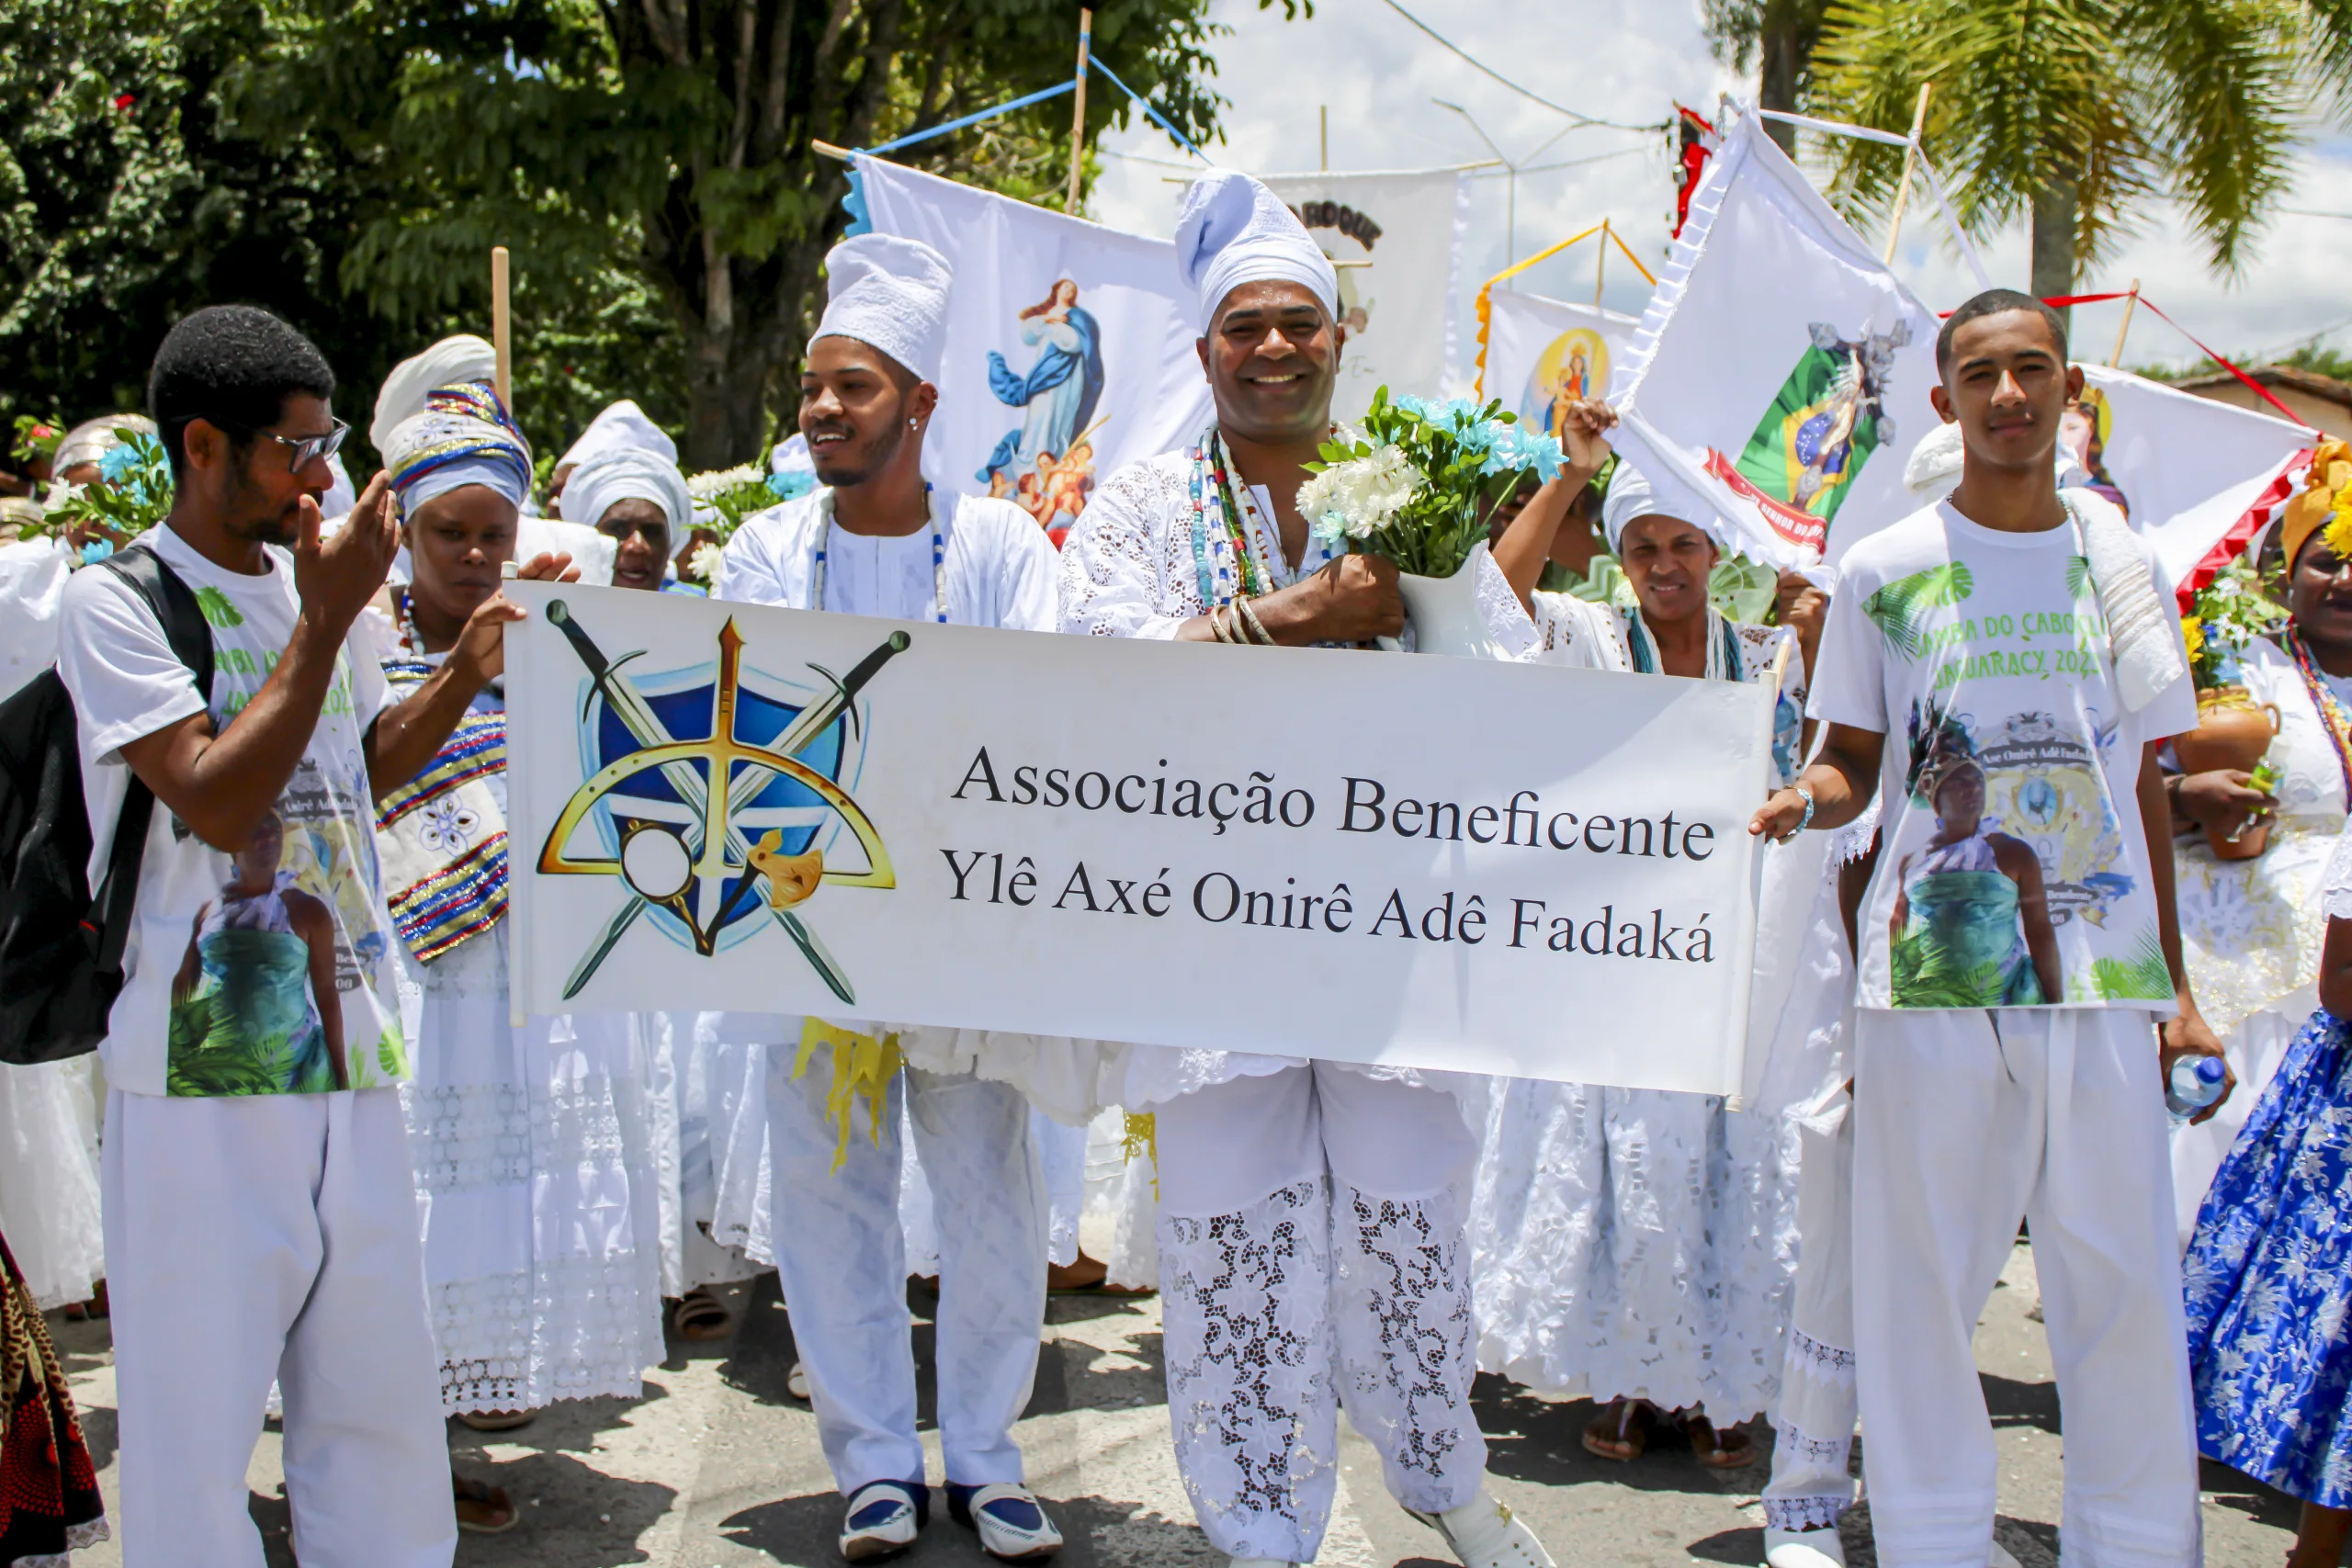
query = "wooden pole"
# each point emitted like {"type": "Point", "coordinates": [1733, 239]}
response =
{"type": "Point", "coordinates": [501, 326]}
{"type": "Point", "coordinates": [1323, 134]}
{"type": "Point", "coordinates": [1910, 159]}
{"type": "Point", "coordinates": [1077, 112]}
{"type": "Point", "coordinates": [1600, 262]}
{"type": "Point", "coordinates": [2130, 305]}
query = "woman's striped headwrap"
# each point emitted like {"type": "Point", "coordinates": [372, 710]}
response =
{"type": "Point", "coordinates": [464, 436]}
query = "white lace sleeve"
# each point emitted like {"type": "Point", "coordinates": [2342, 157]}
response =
{"type": "Point", "coordinates": [1116, 576]}
{"type": "Point", "coordinates": [1577, 633]}
{"type": "Point", "coordinates": [1507, 622]}
{"type": "Point", "coordinates": [2335, 887]}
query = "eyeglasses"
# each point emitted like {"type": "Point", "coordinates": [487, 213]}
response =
{"type": "Point", "coordinates": [304, 450]}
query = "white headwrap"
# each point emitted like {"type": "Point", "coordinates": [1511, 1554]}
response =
{"type": "Point", "coordinates": [452, 360]}
{"type": "Point", "coordinates": [627, 475]}
{"type": "Point", "coordinates": [461, 437]}
{"type": "Point", "coordinates": [622, 427]}
{"type": "Point", "coordinates": [94, 438]}
{"type": "Point", "coordinates": [1632, 493]}
{"type": "Point", "coordinates": [1234, 231]}
{"type": "Point", "coordinates": [891, 293]}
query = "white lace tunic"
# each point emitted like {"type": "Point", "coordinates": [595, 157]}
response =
{"type": "Point", "coordinates": [1633, 1242]}
{"type": "Point", "coordinates": [535, 1188]}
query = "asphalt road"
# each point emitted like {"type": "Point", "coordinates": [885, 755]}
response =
{"type": "Point", "coordinates": [717, 1467]}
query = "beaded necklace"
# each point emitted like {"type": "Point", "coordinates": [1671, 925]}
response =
{"type": "Point", "coordinates": [1226, 560]}
{"type": "Point", "coordinates": [938, 556]}
{"type": "Point", "coordinates": [2332, 716]}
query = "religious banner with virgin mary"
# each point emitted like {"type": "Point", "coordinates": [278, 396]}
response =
{"type": "Point", "coordinates": [1541, 355]}
{"type": "Point", "coordinates": [1069, 345]}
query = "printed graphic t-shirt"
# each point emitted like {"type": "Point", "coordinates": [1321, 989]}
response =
{"type": "Point", "coordinates": [268, 971]}
{"type": "Point", "coordinates": [2012, 868]}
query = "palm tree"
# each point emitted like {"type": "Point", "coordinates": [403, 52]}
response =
{"type": "Point", "coordinates": [2075, 112]}
{"type": "Point", "coordinates": [1778, 37]}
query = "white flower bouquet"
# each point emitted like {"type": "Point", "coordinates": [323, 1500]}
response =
{"type": "Point", "coordinates": [1420, 481]}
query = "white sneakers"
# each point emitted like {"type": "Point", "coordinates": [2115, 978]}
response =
{"type": "Point", "coordinates": [1822, 1548]}
{"type": "Point", "coordinates": [1484, 1533]}
{"type": "Point", "coordinates": [1012, 1527]}
{"type": "Point", "coordinates": [882, 1519]}
{"type": "Point", "coordinates": [1804, 1549]}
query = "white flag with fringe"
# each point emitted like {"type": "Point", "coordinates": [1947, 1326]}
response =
{"type": "Point", "coordinates": [1781, 367]}
{"type": "Point", "coordinates": [1070, 347]}
{"type": "Point", "coordinates": [1540, 354]}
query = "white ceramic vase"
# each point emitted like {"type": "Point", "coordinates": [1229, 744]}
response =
{"type": "Point", "coordinates": [1445, 612]}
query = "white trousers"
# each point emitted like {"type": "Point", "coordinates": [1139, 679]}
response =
{"type": "Point", "coordinates": [1965, 1123]}
{"type": "Point", "coordinates": [260, 1238]}
{"type": "Point", "coordinates": [1813, 1438]}
{"type": "Point", "coordinates": [1312, 1254]}
{"type": "Point", "coordinates": [842, 1256]}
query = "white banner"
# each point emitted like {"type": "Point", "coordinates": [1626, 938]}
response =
{"type": "Point", "coordinates": [1780, 367]}
{"type": "Point", "coordinates": [996, 830]}
{"type": "Point", "coordinates": [1397, 241]}
{"type": "Point", "coordinates": [1540, 354]}
{"type": "Point", "coordinates": [2185, 469]}
{"type": "Point", "coordinates": [1069, 345]}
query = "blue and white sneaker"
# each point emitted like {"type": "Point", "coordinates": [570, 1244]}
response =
{"type": "Point", "coordinates": [883, 1519]}
{"type": "Point", "coordinates": [1012, 1527]}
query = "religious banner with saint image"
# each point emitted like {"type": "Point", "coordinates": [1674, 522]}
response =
{"type": "Point", "coordinates": [1543, 354]}
{"type": "Point", "coordinates": [1782, 368]}
{"type": "Point", "coordinates": [1070, 349]}
{"type": "Point", "coordinates": [718, 806]}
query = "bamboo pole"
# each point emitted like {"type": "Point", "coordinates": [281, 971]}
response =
{"type": "Point", "coordinates": [501, 326]}
{"type": "Point", "coordinates": [2130, 304]}
{"type": "Point", "coordinates": [1078, 111]}
{"type": "Point", "coordinates": [1323, 135]}
{"type": "Point", "coordinates": [1910, 161]}
{"type": "Point", "coordinates": [1600, 260]}
{"type": "Point", "coordinates": [827, 150]}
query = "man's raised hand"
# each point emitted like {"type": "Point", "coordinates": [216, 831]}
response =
{"type": "Point", "coordinates": [335, 578]}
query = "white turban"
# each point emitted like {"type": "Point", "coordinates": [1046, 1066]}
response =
{"type": "Point", "coordinates": [622, 427]}
{"type": "Point", "coordinates": [94, 438]}
{"type": "Point", "coordinates": [1632, 493]}
{"type": "Point", "coordinates": [891, 293]}
{"type": "Point", "coordinates": [1234, 231]}
{"type": "Point", "coordinates": [627, 475]}
{"type": "Point", "coordinates": [452, 360]}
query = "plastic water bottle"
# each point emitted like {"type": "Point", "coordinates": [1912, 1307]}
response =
{"type": "Point", "coordinates": [2195, 1083]}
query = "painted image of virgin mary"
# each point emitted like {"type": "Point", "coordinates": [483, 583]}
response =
{"type": "Point", "coordinates": [1058, 393]}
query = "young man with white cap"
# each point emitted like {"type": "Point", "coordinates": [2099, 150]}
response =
{"type": "Point", "coordinates": [875, 540]}
{"type": "Point", "coordinates": [1311, 1214]}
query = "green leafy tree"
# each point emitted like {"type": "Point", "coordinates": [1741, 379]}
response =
{"type": "Point", "coordinates": [672, 144]}
{"type": "Point", "coordinates": [1778, 37]}
{"type": "Point", "coordinates": [2075, 113]}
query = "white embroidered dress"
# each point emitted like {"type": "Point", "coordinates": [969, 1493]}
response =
{"type": "Point", "coordinates": [1633, 1242]}
{"type": "Point", "coordinates": [534, 1185]}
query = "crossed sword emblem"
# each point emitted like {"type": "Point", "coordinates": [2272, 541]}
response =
{"type": "Point", "coordinates": [718, 836]}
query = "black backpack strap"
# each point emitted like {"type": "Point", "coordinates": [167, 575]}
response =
{"type": "Point", "coordinates": [190, 637]}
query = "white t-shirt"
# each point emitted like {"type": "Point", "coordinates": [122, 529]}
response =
{"type": "Point", "coordinates": [211, 1004]}
{"type": "Point", "coordinates": [997, 571]}
{"type": "Point", "coordinates": [1983, 659]}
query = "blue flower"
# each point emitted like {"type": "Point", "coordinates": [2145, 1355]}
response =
{"type": "Point", "coordinates": [792, 484]}
{"type": "Point", "coordinates": [1515, 448]}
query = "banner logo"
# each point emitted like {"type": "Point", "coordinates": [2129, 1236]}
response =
{"type": "Point", "coordinates": [712, 795]}
{"type": "Point", "coordinates": [1822, 427]}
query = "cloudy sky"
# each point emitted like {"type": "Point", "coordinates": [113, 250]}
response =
{"type": "Point", "coordinates": [1629, 61]}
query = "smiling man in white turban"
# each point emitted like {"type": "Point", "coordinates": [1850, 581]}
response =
{"type": "Point", "coordinates": [1311, 1214]}
{"type": "Point", "coordinates": [875, 540]}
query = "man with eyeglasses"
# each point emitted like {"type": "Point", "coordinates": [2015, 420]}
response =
{"type": "Point", "coordinates": [260, 1214]}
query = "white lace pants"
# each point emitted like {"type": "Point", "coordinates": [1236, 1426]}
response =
{"type": "Point", "coordinates": [1312, 1254]}
{"type": "Point", "coordinates": [1964, 1121]}
{"type": "Point", "coordinates": [272, 1236]}
{"type": "Point", "coordinates": [842, 1256]}
{"type": "Point", "coordinates": [1813, 1439]}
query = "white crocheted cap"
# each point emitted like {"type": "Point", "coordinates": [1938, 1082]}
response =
{"type": "Point", "coordinates": [1234, 231]}
{"type": "Point", "coordinates": [889, 292]}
